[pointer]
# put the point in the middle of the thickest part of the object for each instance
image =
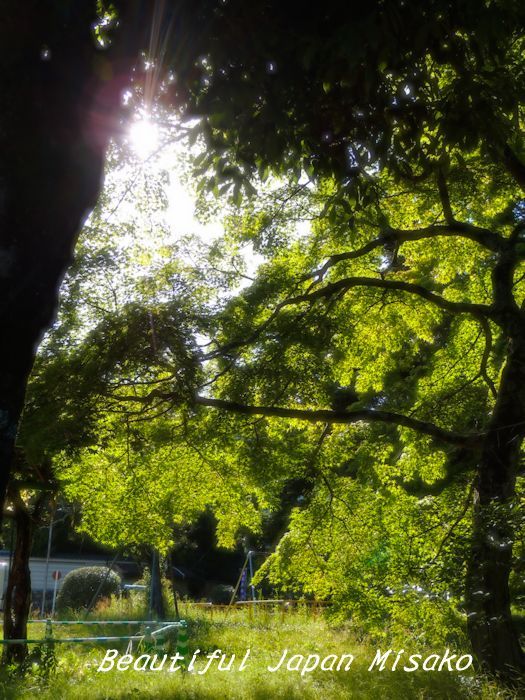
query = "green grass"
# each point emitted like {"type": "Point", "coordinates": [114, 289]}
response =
{"type": "Point", "coordinates": [266, 634]}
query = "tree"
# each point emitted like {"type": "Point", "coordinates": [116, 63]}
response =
{"type": "Point", "coordinates": [30, 492]}
{"type": "Point", "coordinates": [413, 108]}
{"type": "Point", "coordinates": [411, 408]}
{"type": "Point", "coordinates": [65, 72]}
{"type": "Point", "coordinates": [128, 310]}
{"type": "Point", "coordinates": [352, 92]}
{"type": "Point", "coordinates": [447, 296]}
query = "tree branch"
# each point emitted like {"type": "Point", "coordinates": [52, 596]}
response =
{"type": "Point", "coordinates": [344, 417]}
{"type": "Point", "coordinates": [483, 372]}
{"type": "Point", "coordinates": [459, 518]}
{"type": "Point", "coordinates": [348, 255]}
{"type": "Point", "coordinates": [514, 166]}
{"type": "Point", "coordinates": [483, 236]}
{"type": "Point", "coordinates": [392, 285]}
{"type": "Point", "coordinates": [445, 198]}
{"type": "Point", "coordinates": [342, 286]}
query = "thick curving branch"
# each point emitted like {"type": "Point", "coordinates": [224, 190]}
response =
{"type": "Point", "coordinates": [341, 287]}
{"type": "Point", "coordinates": [514, 166]}
{"type": "Point", "coordinates": [478, 310]}
{"type": "Point", "coordinates": [491, 240]}
{"type": "Point", "coordinates": [483, 370]}
{"type": "Point", "coordinates": [344, 417]}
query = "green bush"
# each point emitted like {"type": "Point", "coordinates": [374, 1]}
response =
{"type": "Point", "coordinates": [81, 585]}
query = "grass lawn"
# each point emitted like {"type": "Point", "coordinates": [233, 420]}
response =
{"type": "Point", "coordinates": [266, 635]}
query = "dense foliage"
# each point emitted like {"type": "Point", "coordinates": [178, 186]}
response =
{"type": "Point", "coordinates": [377, 514]}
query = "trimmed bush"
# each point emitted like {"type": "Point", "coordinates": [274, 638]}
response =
{"type": "Point", "coordinates": [80, 585]}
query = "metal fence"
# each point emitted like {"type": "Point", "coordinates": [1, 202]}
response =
{"type": "Point", "coordinates": [145, 634]}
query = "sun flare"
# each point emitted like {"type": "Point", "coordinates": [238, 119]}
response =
{"type": "Point", "coordinates": [144, 137]}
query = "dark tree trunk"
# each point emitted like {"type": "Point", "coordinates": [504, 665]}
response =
{"type": "Point", "coordinates": [59, 105]}
{"type": "Point", "coordinates": [495, 640]}
{"type": "Point", "coordinates": [173, 585]}
{"type": "Point", "coordinates": [156, 598]}
{"type": "Point", "coordinates": [17, 601]}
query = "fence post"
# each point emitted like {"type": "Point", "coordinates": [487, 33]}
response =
{"type": "Point", "coordinates": [182, 642]}
{"type": "Point", "coordinates": [49, 661]}
{"type": "Point", "coordinates": [49, 630]}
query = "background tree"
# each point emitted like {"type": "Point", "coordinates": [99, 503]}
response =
{"type": "Point", "coordinates": [31, 491]}
{"type": "Point", "coordinates": [129, 308]}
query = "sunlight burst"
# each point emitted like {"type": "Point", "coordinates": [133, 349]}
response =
{"type": "Point", "coordinates": [144, 137]}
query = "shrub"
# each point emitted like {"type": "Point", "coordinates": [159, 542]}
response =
{"type": "Point", "coordinates": [81, 585]}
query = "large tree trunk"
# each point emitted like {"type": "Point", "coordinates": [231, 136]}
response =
{"type": "Point", "coordinates": [495, 640]}
{"type": "Point", "coordinates": [156, 603]}
{"type": "Point", "coordinates": [17, 601]}
{"type": "Point", "coordinates": [58, 106]}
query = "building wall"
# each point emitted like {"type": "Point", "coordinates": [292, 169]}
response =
{"type": "Point", "coordinates": [37, 566]}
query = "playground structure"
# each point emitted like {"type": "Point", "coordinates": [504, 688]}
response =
{"type": "Point", "coordinates": [242, 585]}
{"type": "Point", "coordinates": [245, 589]}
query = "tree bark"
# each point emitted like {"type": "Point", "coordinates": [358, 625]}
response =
{"type": "Point", "coordinates": [494, 638]}
{"type": "Point", "coordinates": [173, 586]}
{"type": "Point", "coordinates": [17, 602]}
{"type": "Point", "coordinates": [59, 105]}
{"type": "Point", "coordinates": [156, 605]}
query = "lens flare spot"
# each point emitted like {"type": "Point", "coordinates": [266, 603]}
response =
{"type": "Point", "coordinates": [144, 137]}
